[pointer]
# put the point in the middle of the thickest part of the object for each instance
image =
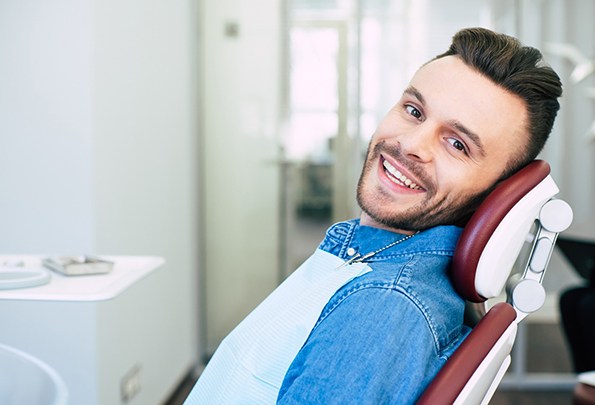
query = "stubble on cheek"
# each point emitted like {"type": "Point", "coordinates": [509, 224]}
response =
{"type": "Point", "coordinates": [379, 204]}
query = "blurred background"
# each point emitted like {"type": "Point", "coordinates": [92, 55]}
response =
{"type": "Point", "coordinates": [227, 135]}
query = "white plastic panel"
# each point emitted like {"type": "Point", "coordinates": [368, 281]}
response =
{"type": "Point", "coordinates": [501, 251]}
{"type": "Point", "coordinates": [479, 387]}
{"type": "Point", "coordinates": [587, 378]}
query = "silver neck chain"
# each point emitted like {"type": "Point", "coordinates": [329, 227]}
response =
{"type": "Point", "coordinates": [359, 258]}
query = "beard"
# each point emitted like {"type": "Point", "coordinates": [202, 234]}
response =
{"type": "Point", "coordinates": [430, 212]}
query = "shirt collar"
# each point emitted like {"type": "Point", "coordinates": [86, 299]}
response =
{"type": "Point", "coordinates": [361, 239]}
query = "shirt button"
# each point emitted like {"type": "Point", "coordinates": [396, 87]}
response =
{"type": "Point", "coordinates": [350, 251]}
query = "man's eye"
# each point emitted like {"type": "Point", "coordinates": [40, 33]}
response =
{"type": "Point", "coordinates": [458, 145]}
{"type": "Point", "coordinates": [413, 111]}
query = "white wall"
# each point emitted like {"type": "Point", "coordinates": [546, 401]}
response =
{"type": "Point", "coordinates": [240, 164]}
{"type": "Point", "coordinates": [539, 23]}
{"type": "Point", "coordinates": [98, 128]}
{"type": "Point", "coordinates": [146, 152]}
{"type": "Point", "coordinates": [569, 152]}
{"type": "Point", "coordinates": [46, 127]}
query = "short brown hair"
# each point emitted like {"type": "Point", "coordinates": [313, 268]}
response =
{"type": "Point", "coordinates": [520, 70]}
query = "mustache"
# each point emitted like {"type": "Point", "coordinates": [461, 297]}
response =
{"type": "Point", "coordinates": [395, 152]}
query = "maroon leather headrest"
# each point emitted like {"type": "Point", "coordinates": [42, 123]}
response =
{"type": "Point", "coordinates": [484, 222]}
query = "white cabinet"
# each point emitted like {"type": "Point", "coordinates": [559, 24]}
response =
{"type": "Point", "coordinates": [106, 335]}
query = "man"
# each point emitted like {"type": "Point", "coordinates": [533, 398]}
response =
{"type": "Point", "coordinates": [372, 316]}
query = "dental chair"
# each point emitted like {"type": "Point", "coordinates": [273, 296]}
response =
{"type": "Point", "coordinates": [505, 245]}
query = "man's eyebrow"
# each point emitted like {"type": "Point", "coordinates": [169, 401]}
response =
{"type": "Point", "coordinates": [470, 134]}
{"type": "Point", "coordinates": [412, 91]}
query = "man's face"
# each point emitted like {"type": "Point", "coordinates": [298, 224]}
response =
{"type": "Point", "coordinates": [446, 142]}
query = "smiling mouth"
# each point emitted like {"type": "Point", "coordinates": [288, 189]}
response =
{"type": "Point", "coordinates": [399, 178]}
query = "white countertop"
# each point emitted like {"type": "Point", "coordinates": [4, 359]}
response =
{"type": "Point", "coordinates": [127, 271]}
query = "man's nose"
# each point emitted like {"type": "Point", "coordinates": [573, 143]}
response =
{"type": "Point", "coordinates": [419, 143]}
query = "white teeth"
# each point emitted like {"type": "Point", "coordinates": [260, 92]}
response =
{"type": "Point", "coordinates": [399, 177]}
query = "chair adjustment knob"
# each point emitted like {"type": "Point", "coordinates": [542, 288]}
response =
{"type": "Point", "coordinates": [527, 295]}
{"type": "Point", "coordinates": [555, 215]}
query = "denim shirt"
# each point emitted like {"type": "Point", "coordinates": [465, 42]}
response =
{"type": "Point", "coordinates": [384, 335]}
{"type": "Point", "coordinates": [373, 332]}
